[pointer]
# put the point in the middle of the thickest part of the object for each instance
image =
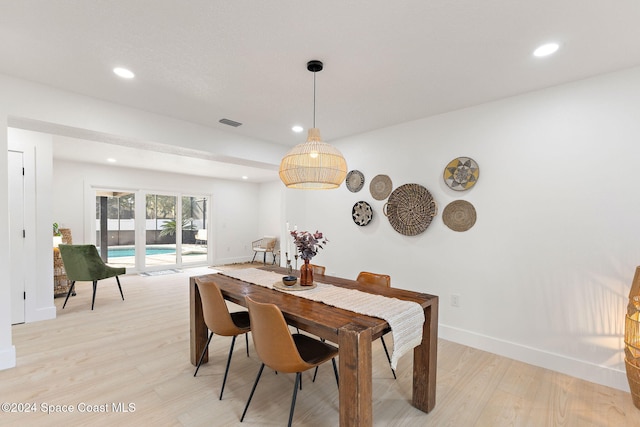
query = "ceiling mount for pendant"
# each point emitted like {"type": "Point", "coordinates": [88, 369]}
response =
{"type": "Point", "coordinates": [314, 66]}
{"type": "Point", "coordinates": [313, 164]}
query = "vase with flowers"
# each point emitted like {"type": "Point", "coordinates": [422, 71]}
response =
{"type": "Point", "coordinates": [308, 245]}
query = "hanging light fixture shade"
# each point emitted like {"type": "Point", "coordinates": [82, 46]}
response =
{"type": "Point", "coordinates": [314, 164]}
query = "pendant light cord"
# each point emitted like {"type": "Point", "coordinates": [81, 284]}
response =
{"type": "Point", "coordinates": [314, 99]}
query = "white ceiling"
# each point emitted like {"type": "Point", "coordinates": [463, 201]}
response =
{"type": "Point", "coordinates": [385, 62]}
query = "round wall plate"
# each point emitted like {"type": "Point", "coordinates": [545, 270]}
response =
{"type": "Point", "coordinates": [461, 173]}
{"type": "Point", "coordinates": [362, 213]}
{"type": "Point", "coordinates": [459, 215]}
{"type": "Point", "coordinates": [380, 187]}
{"type": "Point", "coordinates": [354, 181]}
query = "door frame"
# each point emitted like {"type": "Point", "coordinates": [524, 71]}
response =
{"type": "Point", "coordinates": [17, 269]}
{"type": "Point", "coordinates": [140, 221]}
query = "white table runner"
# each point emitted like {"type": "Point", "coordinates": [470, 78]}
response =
{"type": "Point", "coordinates": [406, 318]}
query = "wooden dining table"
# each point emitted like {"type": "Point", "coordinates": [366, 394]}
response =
{"type": "Point", "coordinates": [352, 332]}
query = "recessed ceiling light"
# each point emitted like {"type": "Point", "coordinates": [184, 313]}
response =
{"type": "Point", "coordinates": [297, 129]}
{"type": "Point", "coordinates": [245, 177]}
{"type": "Point", "coordinates": [111, 160]}
{"type": "Point", "coordinates": [546, 49]}
{"type": "Point", "coordinates": [124, 73]}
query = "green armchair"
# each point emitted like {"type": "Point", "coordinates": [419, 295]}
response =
{"type": "Point", "coordinates": [82, 263]}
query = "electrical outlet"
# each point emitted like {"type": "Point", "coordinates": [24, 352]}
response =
{"type": "Point", "coordinates": [455, 300]}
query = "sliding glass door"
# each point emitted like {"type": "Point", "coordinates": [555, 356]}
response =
{"type": "Point", "coordinates": [115, 227]}
{"type": "Point", "coordinates": [169, 230]}
{"type": "Point", "coordinates": [195, 233]}
{"type": "Point", "coordinates": [161, 231]}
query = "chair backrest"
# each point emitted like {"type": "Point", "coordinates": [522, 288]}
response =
{"type": "Point", "coordinates": [318, 269]}
{"type": "Point", "coordinates": [269, 243]}
{"type": "Point", "coordinates": [374, 279]}
{"type": "Point", "coordinates": [201, 234]}
{"type": "Point", "coordinates": [272, 340]}
{"type": "Point", "coordinates": [83, 263]}
{"type": "Point", "coordinates": [215, 311]}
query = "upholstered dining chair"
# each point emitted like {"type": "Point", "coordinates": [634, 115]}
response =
{"type": "Point", "coordinates": [220, 321]}
{"type": "Point", "coordinates": [376, 279]}
{"type": "Point", "coordinates": [282, 351]}
{"type": "Point", "coordinates": [82, 263]}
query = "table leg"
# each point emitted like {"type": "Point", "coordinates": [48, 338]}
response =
{"type": "Point", "coordinates": [424, 361]}
{"type": "Point", "coordinates": [354, 342]}
{"type": "Point", "coordinates": [197, 327]}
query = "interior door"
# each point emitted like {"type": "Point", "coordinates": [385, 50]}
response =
{"type": "Point", "coordinates": [16, 236]}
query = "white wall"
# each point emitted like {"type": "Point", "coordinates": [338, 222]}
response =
{"type": "Point", "coordinates": [39, 278]}
{"type": "Point", "coordinates": [38, 221]}
{"type": "Point", "coordinates": [7, 350]}
{"type": "Point", "coordinates": [544, 274]}
{"type": "Point", "coordinates": [234, 204]}
{"type": "Point", "coordinates": [270, 219]}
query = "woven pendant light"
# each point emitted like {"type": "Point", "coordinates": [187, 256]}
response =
{"type": "Point", "coordinates": [314, 164]}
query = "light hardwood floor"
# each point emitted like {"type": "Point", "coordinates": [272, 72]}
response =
{"type": "Point", "coordinates": [137, 352]}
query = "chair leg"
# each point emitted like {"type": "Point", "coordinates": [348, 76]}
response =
{"type": "Point", "coordinates": [254, 256]}
{"type": "Point", "coordinates": [293, 399]}
{"type": "Point", "coordinates": [315, 372]}
{"type": "Point", "coordinates": [93, 298]}
{"type": "Point", "coordinates": [73, 284]}
{"type": "Point", "coordinates": [335, 371]}
{"type": "Point", "coordinates": [388, 358]}
{"type": "Point", "coordinates": [226, 371]}
{"type": "Point", "coordinates": [252, 390]}
{"type": "Point", "coordinates": [204, 350]}
{"type": "Point", "coordinates": [246, 340]}
{"type": "Point", "coordinates": [120, 287]}
{"type": "Point", "coordinates": [264, 258]}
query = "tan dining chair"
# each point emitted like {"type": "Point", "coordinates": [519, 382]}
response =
{"type": "Point", "coordinates": [282, 351]}
{"type": "Point", "coordinates": [375, 279]}
{"type": "Point", "coordinates": [318, 269]}
{"type": "Point", "coordinates": [220, 321]}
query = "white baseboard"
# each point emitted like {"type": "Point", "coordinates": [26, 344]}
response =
{"type": "Point", "coordinates": [574, 367]}
{"type": "Point", "coordinates": [44, 313]}
{"type": "Point", "coordinates": [234, 260]}
{"type": "Point", "coordinates": [8, 357]}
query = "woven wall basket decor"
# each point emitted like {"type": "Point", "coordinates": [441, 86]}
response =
{"type": "Point", "coordinates": [410, 209]}
{"type": "Point", "coordinates": [354, 181]}
{"type": "Point", "coordinates": [380, 187]}
{"type": "Point", "coordinates": [459, 215]}
{"type": "Point", "coordinates": [461, 173]}
{"type": "Point", "coordinates": [362, 213]}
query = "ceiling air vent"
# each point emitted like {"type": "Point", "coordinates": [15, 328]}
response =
{"type": "Point", "coordinates": [230, 123]}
